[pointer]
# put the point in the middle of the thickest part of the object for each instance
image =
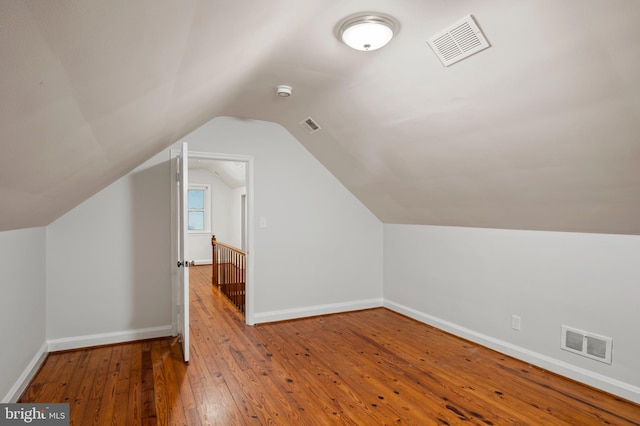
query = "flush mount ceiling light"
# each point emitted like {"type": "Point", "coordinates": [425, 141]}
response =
{"type": "Point", "coordinates": [367, 31]}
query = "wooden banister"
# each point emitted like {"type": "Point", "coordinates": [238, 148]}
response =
{"type": "Point", "coordinates": [229, 272]}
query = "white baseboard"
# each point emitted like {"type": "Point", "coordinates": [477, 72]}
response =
{"type": "Point", "coordinates": [310, 311]}
{"type": "Point", "coordinates": [607, 384]}
{"type": "Point", "coordinates": [109, 338]}
{"type": "Point", "coordinates": [26, 376]}
{"type": "Point", "coordinates": [599, 381]}
{"type": "Point", "coordinates": [199, 262]}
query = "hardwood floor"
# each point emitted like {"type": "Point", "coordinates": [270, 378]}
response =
{"type": "Point", "coordinates": [370, 367]}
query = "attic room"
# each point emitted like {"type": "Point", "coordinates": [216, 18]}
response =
{"type": "Point", "coordinates": [496, 198]}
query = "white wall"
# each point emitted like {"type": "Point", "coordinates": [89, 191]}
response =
{"type": "Point", "coordinates": [322, 249]}
{"type": "Point", "coordinates": [471, 281]}
{"type": "Point", "coordinates": [22, 306]}
{"type": "Point", "coordinates": [235, 217]}
{"type": "Point", "coordinates": [109, 259]}
{"type": "Point", "coordinates": [108, 269]}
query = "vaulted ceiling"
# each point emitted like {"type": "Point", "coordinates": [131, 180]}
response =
{"type": "Point", "coordinates": [540, 131]}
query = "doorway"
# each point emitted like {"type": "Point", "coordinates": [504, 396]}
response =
{"type": "Point", "coordinates": [230, 176]}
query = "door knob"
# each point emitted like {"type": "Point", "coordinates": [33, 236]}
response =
{"type": "Point", "coordinates": [180, 264]}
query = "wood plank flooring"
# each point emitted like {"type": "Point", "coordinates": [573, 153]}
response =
{"type": "Point", "coordinates": [370, 367]}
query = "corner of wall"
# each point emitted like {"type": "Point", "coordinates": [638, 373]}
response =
{"type": "Point", "coordinates": [27, 375]}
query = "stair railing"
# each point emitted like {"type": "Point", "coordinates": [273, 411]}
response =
{"type": "Point", "coordinates": [229, 272]}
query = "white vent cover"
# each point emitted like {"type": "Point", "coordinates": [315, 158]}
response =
{"type": "Point", "coordinates": [587, 344]}
{"type": "Point", "coordinates": [310, 125]}
{"type": "Point", "coordinates": [459, 41]}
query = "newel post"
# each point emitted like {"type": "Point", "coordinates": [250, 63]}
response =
{"type": "Point", "coordinates": [214, 276]}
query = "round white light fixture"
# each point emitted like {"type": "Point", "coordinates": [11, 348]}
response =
{"type": "Point", "coordinates": [283, 91]}
{"type": "Point", "coordinates": [367, 31]}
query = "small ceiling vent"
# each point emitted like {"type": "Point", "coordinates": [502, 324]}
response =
{"type": "Point", "coordinates": [310, 125]}
{"type": "Point", "coordinates": [459, 41]}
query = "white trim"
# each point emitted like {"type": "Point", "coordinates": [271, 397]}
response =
{"type": "Point", "coordinates": [109, 338]}
{"type": "Point", "coordinates": [310, 311]}
{"type": "Point", "coordinates": [200, 262]}
{"type": "Point", "coordinates": [250, 291]}
{"type": "Point", "coordinates": [599, 381]}
{"type": "Point", "coordinates": [25, 378]}
{"type": "Point", "coordinates": [173, 178]}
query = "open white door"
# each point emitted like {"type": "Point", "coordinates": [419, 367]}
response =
{"type": "Point", "coordinates": [183, 250]}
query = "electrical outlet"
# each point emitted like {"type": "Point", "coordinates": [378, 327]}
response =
{"type": "Point", "coordinates": [515, 322]}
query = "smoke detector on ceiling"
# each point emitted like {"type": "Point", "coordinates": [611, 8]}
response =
{"type": "Point", "coordinates": [459, 41]}
{"type": "Point", "coordinates": [283, 91]}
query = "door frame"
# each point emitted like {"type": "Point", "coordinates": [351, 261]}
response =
{"type": "Point", "coordinates": [249, 161]}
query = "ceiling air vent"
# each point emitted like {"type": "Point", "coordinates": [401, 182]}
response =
{"type": "Point", "coordinates": [459, 41]}
{"type": "Point", "coordinates": [310, 125]}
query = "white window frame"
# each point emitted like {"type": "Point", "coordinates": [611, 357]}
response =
{"type": "Point", "coordinates": [207, 207]}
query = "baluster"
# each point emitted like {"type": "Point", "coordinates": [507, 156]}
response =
{"type": "Point", "coordinates": [229, 272]}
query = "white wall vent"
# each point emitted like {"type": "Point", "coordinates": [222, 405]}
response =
{"type": "Point", "coordinates": [587, 344]}
{"type": "Point", "coordinates": [310, 125]}
{"type": "Point", "coordinates": [459, 41]}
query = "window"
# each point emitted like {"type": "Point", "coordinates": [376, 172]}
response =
{"type": "Point", "coordinates": [199, 208]}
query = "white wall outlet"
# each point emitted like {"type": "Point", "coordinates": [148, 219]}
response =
{"type": "Point", "coordinates": [515, 322]}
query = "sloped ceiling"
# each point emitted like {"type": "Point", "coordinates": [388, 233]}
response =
{"type": "Point", "coordinates": [541, 131]}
